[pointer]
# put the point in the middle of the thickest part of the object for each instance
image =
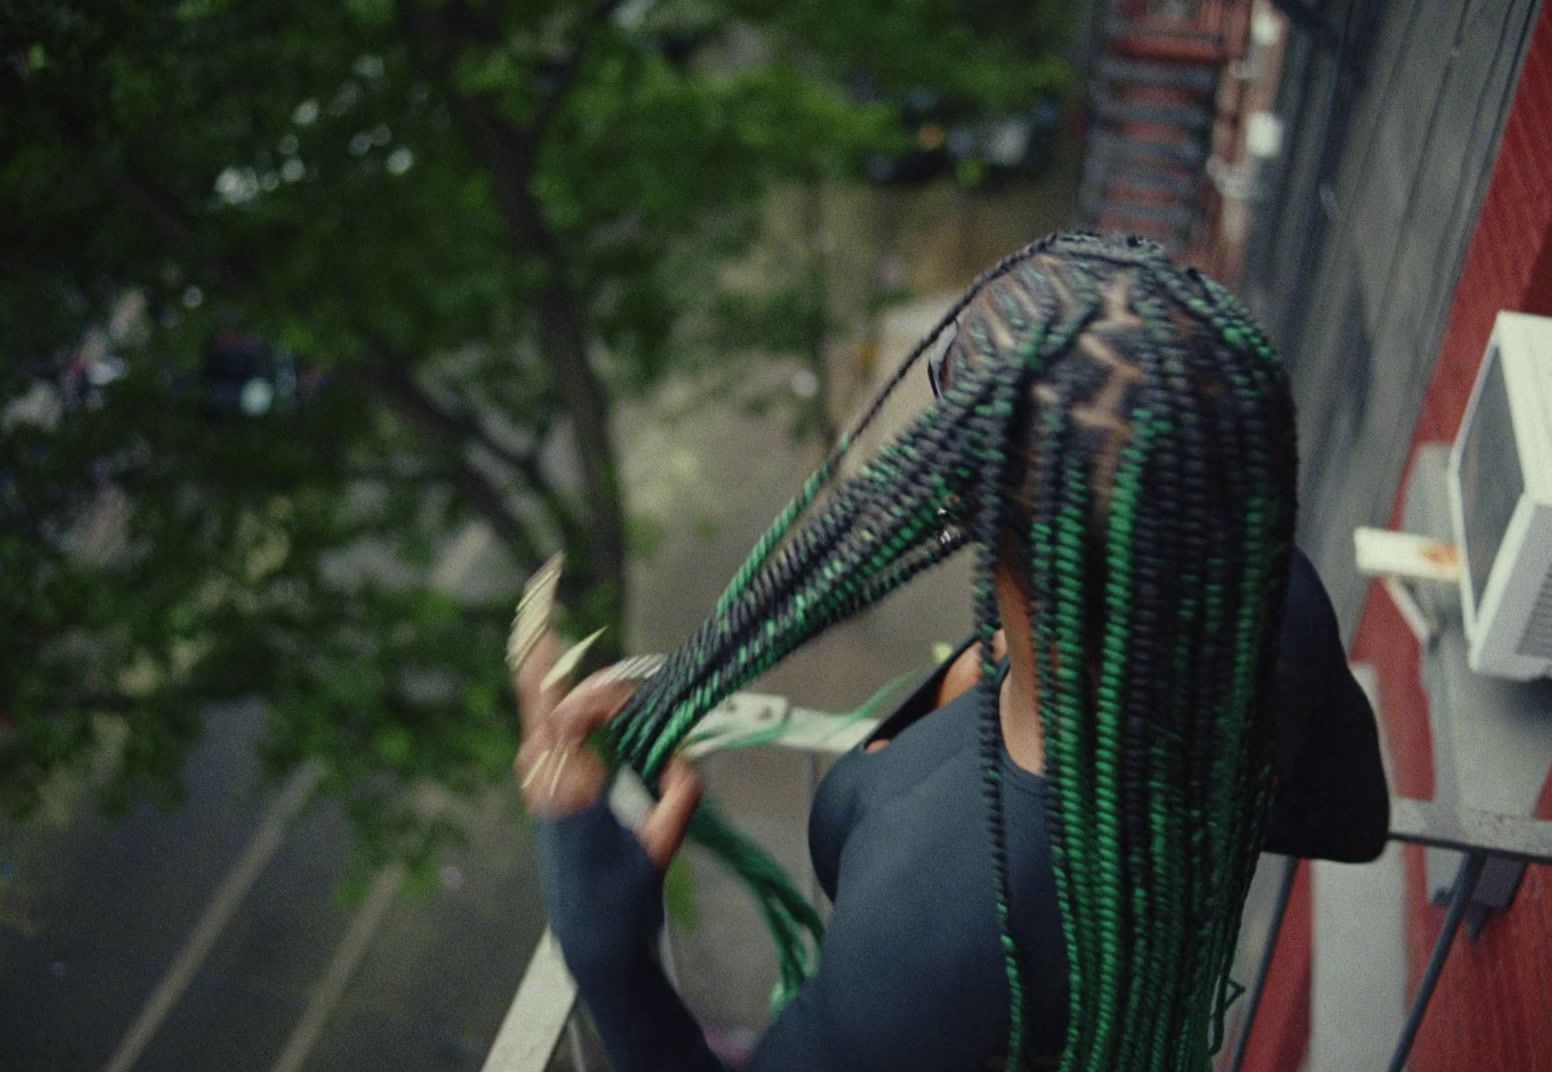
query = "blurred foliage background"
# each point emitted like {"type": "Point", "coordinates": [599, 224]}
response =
{"type": "Point", "coordinates": [289, 292]}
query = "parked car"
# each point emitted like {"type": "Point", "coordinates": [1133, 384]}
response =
{"type": "Point", "coordinates": [88, 376]}
{"type": "Point", "coordinates": [244, 375]}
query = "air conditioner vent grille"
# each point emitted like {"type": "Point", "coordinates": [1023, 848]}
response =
{"type": "Point", "coordinates": [1536, 641]}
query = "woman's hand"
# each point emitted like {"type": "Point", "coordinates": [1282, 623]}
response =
{"type": "Point", "coordinates": [560, 775]}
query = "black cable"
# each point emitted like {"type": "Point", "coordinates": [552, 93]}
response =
{"type": "Point", "coordinates": [1460, 898]}
{"type": "Point", "coordinates": [1264, 969]}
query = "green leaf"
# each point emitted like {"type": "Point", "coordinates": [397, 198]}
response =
{"type": "Point", "coordinates": [371, 12]}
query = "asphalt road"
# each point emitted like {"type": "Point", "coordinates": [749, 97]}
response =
{"type": "Point", "coordinates": [94, 915]}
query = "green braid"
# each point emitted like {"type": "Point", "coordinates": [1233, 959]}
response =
{"type": "Point", "coordinates": [1126, 418]}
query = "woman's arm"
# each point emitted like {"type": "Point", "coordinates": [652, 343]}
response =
{"type": "Point", "coordinates": [603, 886]}
{"type": "Point", "coordinates": [602, 883]}
{"type": "Point", "coordinates": [605, 895]}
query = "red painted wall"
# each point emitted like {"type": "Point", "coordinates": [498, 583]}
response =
{"type": "Point", "coordinates": [1509, 262]}
{"type": "Point", "coordinates": [1493, 1008]}
{"type": "Point", "coordinates": [1492, 1011]}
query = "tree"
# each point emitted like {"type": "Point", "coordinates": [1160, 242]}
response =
{"type": "Point", "coordinates": [480, 224]}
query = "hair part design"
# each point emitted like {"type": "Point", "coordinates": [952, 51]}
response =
{"type": "Point", "coordinates": [1123, 418]}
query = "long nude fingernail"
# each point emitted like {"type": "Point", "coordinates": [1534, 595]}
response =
{"type": "Point", "coordinates": [568, 662]}
{"type": "Point", "coordinates": [534, 611]}
{"type": "Point", "coordinates": [533, 771]}
{"type": "Point", "coordinates": [636, 668]}
{"type": "Point", "coordinates": [560, 766]}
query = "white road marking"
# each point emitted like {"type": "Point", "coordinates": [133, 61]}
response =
{"type": "Point", "coordinates": [466, 551]}
{"type": "Point", "coordinates": [266, 841]}
{"type": "Point", "coordinates": [342, 966]}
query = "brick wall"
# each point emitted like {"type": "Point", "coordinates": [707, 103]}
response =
{"type": "Point", "coordinates": [1493, 1008]}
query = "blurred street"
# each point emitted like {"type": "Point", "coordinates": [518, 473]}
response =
{"type": "Point", "coordinates": [215, 935]}
{"type": "Point", "coordinates": [103, 963]}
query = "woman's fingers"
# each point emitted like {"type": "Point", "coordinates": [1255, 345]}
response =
{"type": "Point", "coordinates": [662, 831]}
{"type": "Point", "coordinates": [555, 768]}
{"type": "Point", "coordinates": [557, 777]}
{"type": "Point", "coordinates": [590, 705]}
{"type": "Point", "coordinates": [558, 780]}
{"type": "Point", "coordinates": [534, 701]}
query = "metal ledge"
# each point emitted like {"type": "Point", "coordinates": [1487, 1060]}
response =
{"type": "Point", "coordinates": [1443, 826]}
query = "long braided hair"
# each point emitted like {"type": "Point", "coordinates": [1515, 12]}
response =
{"type": "Point", "coordinates": [1115, 428]}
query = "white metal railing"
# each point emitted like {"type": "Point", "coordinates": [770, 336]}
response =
{"type": "Point", "coordinates": [541, 1012]}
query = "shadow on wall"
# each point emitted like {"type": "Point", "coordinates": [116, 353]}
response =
{"type": "Point", "coordinates": [1333, 395]}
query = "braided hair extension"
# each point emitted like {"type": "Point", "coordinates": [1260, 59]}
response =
{"type": "Point", "coordinates": [1115, 434]}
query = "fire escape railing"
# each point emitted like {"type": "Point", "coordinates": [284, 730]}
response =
{"type": "Point", "coordinates": [541, 1015]}
{"type": "Point", "coordinates": [1482, 836]}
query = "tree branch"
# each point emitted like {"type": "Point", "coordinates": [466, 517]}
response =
{"type": "Point", "coordinates": [566, 73]}
{"type": "Point", "coordinates": [457, 431]}
{"type": "Point", "coordinates": [509, 153]}
{"type": "Point", "coordinates": [455, 418]}
{"type": "Point", "coordinates": [160, 208]}
{"type": "Point", "coordinates": [482, 494]}
{"type": "Point", "coordinates": [400, 390]}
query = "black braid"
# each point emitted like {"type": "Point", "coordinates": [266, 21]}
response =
{"type": "Point", "coordinates": [1115, 431]}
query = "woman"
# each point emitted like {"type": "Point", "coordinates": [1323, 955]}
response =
{"type": "Point", "coordinates": [1050, 866]}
